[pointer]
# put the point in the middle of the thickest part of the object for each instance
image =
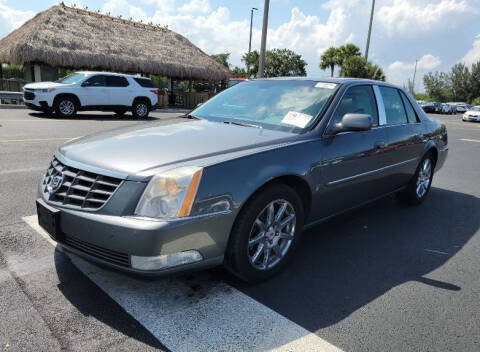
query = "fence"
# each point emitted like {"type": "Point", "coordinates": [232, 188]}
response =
{"type": "Point", "coordinates": [11, 84]}
{"type": "Point", "coordinates": [189, 100]}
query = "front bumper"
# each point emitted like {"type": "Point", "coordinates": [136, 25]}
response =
{"type": "Point", "coordinates": [112, 240]}
{"type": "Point", "coordinates": [470, 118]}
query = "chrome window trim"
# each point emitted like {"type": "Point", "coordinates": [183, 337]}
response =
{"type": "Point", "coordinates": [368, 173]}
{"type": "Point", "coordinates": [382, 116]}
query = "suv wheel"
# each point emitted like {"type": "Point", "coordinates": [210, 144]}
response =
{"type": "Point", "coordinates": [66, 107]}
{"type": "Point", "coordinates": [140, 109]}
{"type": "Point", "coordinates": [265, 234]}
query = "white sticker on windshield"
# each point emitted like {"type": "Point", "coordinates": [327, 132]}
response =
{"type": "Point", "coordinates": [296, 119]}
{"type": "Point", "coordinates": [325, 85]}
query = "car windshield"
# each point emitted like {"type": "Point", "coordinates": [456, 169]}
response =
{"type": "Point", "coordinates": [475, 108]}
{"type": "Point", "coordinates": [272, 104]}
{"type": "Point", "coordinates": [73, 78]}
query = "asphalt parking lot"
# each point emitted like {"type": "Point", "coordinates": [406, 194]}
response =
{"type": "Point", "coordinates": [382, 278]}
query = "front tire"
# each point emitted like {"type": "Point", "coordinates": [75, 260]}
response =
{"type": "Point", "coordinates": [265, 234]}
{"type": "Point", "coordinates": [419, 187]}
{"type": "Point", "coordinates": [65, 107]}
{"type": "Point", "coordinates": [140, 109]}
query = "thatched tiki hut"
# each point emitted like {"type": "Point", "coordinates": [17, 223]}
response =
{"type": "Point", "coordinates": [66, 37]}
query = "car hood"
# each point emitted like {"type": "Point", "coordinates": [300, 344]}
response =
{"type": "Point", "coordinates": [136, 149]}
{"type": "Point", "coordinates": [472, 112]}
{"type": "Point", "coordinates": [44, 85]}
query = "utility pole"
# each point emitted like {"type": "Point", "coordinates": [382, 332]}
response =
{"type": "Point", "coordinates": [261, 64]}
{"type": "Point", "coordinates": [414, 74]}
{"type": "Point", "coordinates": [251, 24]}
{"type": "Point", "coordinates": [369, 30]}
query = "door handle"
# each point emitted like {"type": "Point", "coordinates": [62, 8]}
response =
{"type": "Point", "coordinates": [379, 145]}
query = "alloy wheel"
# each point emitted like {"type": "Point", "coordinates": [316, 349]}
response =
{"type": "Point", "coordinates": [272, 234]}
{"type": "Point", "coordinates": [424, 177]}
{"type": "Point", "coordinates": [66, 107]}
{"type": "Point", "coordinates": [141, 109]}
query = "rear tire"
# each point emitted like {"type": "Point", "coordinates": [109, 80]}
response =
{"type": "Point", "coordinates": [420, 184]}
{"type": "Point", "coordinates": [264, 237]}
{"type": "Point", "coordinates": [65, 107]}
{"type": "Point", "coordinates": [140, 109]}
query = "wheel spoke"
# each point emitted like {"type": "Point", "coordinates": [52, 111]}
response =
{"type": "Point", "coordinates": [278, 251]}
{"type": "Point", "coordinates": [266, 256]}
{"type": "Point", "coordinates": [260, 224]}
{"type": "Point", "coordinates": [270, 212]}
{"type": "Point", "coordinates": [280, 212]}
{"type": "Point", "coordinates": [257, 239]}
{"type": "Point", "coordinates": [286, 221]}
{"type": "Point", "coordinates": [286, 236]}
{"type": "Point", "coordinates": [257, 253]}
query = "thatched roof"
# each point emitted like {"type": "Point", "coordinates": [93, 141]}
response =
{"type": "Point", "coordinates": [78, 39]}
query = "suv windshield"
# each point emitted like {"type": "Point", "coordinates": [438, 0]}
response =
{"type": "Point", "coordinates": [475, 108]}
{"type": "Point", "coordinates": [280, 105]}
{"type": "Point", "coordinates": [73, 78]}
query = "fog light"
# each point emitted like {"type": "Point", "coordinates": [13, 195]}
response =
{"type": "Point", "coordinates": [166, 260]}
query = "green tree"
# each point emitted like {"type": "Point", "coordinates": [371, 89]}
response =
{"type": "Point", "coordinates": [251, 62]}
{"type": "Point", "coordinates": [222, 59]}
{"type": "Point", "coordinates": [476, 101]}
{"type": "Point", "coordinates": [278, 62]}
{"type": "Point", "coordinates": [375, 72]}
{"type": "Point", "coordinates": [284, 63]}
{"type": "Point", "coordinates": [422, 96]}
{"type": "Point", "coordinates": [459, 81]}
{"type": "Point", "coordinates": [329, 59]}
{"type": "Point", "coordinates": [238, 72]}
{"type": "Point", "coordinates": [475, 82]}
{"type": "Point", "coordinates": [437, 86]}
{"type": "Point", "coordinates": [346, 51]}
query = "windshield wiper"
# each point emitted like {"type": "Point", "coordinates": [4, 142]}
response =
{"type": "Point", "coordinates": [242, 124]}
{"type": "Point", "coordinates": [189, 116]}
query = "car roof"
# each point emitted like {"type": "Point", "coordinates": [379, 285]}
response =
{"type": "Point", "coordinates": [337, 80]}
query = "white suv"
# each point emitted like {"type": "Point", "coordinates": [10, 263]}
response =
{"type": "Point", "coordinates": [100, 91]}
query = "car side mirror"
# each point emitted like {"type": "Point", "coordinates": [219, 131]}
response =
{"type": "Point", "coordinates": [86, 84]}
{"type": "Point", "coordinates": [352, 123]}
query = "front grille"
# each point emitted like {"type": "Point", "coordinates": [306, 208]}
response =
{"type": "Point", "coordinates": [28, 95]}
{"type": "Point", "coordinates": [78, 188]}
{"type": "Point", "coordinates": [108, 255]}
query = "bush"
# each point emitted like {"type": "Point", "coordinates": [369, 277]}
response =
{"type": "Point", "coordinates": [476, 101]}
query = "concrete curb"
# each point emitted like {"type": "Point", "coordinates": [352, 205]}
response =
{"type": "Point", "coordinates": [12, 106]}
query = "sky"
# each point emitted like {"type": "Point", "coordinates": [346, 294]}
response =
{"type": "Point", "coordinates": [437, 33]}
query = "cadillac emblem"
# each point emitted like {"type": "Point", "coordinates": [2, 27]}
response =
{"type": "Point", "coordinates": [54, 182]}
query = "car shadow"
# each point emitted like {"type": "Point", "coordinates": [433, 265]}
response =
{"type": "Point", "coordinates": [349, 261]}
{"type": "Point", "coordinates": [85, 116]}
{"type": "Point", "coordinates": [339, 267]}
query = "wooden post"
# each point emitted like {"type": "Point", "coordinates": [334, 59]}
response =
{"type": "Point", "coordinates": [190, 85]}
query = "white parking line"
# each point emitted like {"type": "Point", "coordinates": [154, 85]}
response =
{"type": "Point", "coordinates": [212, 317]}
{"type": "Point", "coordinates": [470, 140]}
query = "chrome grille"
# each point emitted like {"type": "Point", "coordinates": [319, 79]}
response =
{"type": "Point", "coordinates": [79, 188]}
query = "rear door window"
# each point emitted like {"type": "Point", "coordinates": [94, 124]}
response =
{"type": "Point", "coordinates": [394, 110]}
{"type": "Point", "coordinates": [116, 81]}
{"type": "Point", "coordinates": [144, 82]}
{"type": "Point", "coordinates": [96, 81]}
{"type": "Point", "coordinates": [411, 114]}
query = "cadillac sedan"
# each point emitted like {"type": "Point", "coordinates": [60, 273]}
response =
{"type": "Point", "coordinates": [237, 180]}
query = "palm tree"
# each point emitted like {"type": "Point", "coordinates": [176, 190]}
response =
{"type": "Point", "coordinates": [329, 59]}
{"type": "Point", "coordinates": [346, 51]}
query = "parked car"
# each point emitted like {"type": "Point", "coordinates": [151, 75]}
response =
{"type": "Point", "coordinates": [473, 114]}
{"type": "Point", "coordinates": [460, 107]}
{"type": "Point", "coordinates": [429, 108]}
{"type": "Point", "coordinates": [99, 91]}
{"type": "Point", "coordinates": [448, 109]}
{"type": "Point", "coordinates": [237, 180]}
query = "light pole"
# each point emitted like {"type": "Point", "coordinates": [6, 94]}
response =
{"type": "Point", "coordinates": [369, 30]}
{"type": "Point", "coordinates": [251, 24]}
{"type": "Point", "coordinates": [414, 75]}
{"type": "Point", "coordinates": [261, 64]}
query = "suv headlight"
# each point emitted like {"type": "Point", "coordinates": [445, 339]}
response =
{"type": "Point", "coordinates": [170, 194]}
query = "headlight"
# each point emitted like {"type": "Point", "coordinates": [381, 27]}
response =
{"type": "Point", "coordinates": [47, 90]}
{"type": "Point", "coordinates": [170, 194]}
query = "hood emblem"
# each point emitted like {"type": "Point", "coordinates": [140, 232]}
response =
{"type": "Point", "coordinates": [54, 182]}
